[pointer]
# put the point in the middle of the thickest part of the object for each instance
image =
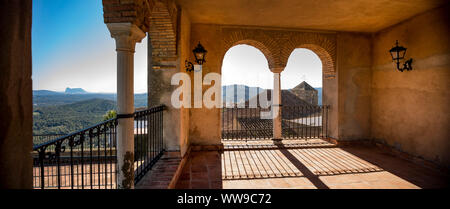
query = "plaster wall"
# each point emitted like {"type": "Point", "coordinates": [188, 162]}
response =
{"type": "Point", "coordinates": [330, 98]}
{"type": "Point", "coordinates": [410, 109]}
{"type": "Point", "coordinates": [16, 95]}
{"type": "Point", "coordinates": [184, 52]}
{"type": "Point", "coordinates": [205, 124]}
{"type": "Point", "coordinates": [354, 86]}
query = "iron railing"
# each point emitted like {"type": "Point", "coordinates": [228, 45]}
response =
{"type": "Point", "coordinates": [304, 122]}
{"type": "Point", "coordinates": [298, 122]}
{"type": "Point", "coordinates": [245, 124]}
{"type": "Point", "coordinates": [81, 160]}
{"type": "Point", "coordinates": [148, 140]}
{"type": "Point", "coordinates": [87, 159]}
{"type": "Point", "coordinates": [39, 139]}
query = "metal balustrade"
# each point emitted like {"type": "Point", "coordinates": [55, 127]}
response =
{"type": "Point", "coordinates": [87, 159]}
{"type": "Point", "coordinates": [298, 122]}
{"type": "Point", "coordinates": [148, 140]}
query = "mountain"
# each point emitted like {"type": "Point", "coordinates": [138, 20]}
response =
{"type": "Point", "coordinates": [250, 92]}
{"type": "Point", "coordinates": [288, 99]}
{"type": "Point", "coordinates": [319, 94]}
{"type": "Point", "coordinates": [45, 93]}
{"type": "Point", "coordinates": [50, 99]}
{"type": "Point", "coordinates": [64, 119]}
{"type": "Point", "coordinates": [75, 91]}
{"type": "Point", "coordinates": [230, 93]}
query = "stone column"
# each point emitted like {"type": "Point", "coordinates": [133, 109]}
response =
{"type": "Point", "coordinates": [276, 104]}
{"type": "Point", "coordinates": [126, 36]}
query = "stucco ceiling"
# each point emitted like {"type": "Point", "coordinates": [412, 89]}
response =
{"type": "Point", "coordinates": [336, 15]}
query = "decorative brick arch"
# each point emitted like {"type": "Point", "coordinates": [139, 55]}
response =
{"type": "Point", "coordinates": [131, 11]}
{"type": "Point", "coordinates": [255, 38]}
{"type": "Point", "coordinates": [257, 45]}
{"type": "Point", "coordinates": [157, 17]}
{"type": "Point", "coordinates": [163, 33]}
{"type": "Point", "coordinates": [323, 45]}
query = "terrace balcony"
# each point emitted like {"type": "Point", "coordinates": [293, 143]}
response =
{"type": "Point", "coordinates": [380, 126]}
{"type": "Point", "coordinates": [305, 159]}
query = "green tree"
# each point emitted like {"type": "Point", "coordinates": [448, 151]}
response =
{"type": "Point", "coordinates": [110, 115]}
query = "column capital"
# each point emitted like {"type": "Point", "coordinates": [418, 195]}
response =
{"type": "Point", "coordinates": [277, 69]}
{"type": "Point", "coordinates": [126, 35]}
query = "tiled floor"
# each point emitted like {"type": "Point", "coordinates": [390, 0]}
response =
{"type": "Point", "coordinates": [160, 176]}
{"type": "Point", "coordinates": [326, 167]}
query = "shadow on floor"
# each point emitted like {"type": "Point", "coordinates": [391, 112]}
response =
{"type": "Point", "coordinates": [421, 176]}
{"type": "Point", "coordinates": [323, 168]}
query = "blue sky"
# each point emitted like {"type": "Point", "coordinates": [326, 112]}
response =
{"type": "Point", "coordinates": [72, 47]}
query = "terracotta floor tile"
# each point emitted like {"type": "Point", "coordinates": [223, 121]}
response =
{"type": "Point", "coordinates": [305, 168]}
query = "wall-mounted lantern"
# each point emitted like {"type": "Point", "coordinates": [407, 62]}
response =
{"type": "Point", "coordinates": [398, 53]}
{"type": "Point", "coordinates": [200, 54]}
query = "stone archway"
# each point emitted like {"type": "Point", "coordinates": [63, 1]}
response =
{"type": "Point", "coordinates": [323, 45]}
{"type": "Point", "coordinates": [245, 71]}
{"type": "Point", "coordinates": [277, 45]}
{"type": "Point", "coordinates": [163, 34]}
{"type": "Point", "coordinates": [259, 43]}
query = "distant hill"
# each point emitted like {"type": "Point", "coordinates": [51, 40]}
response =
{"type": "Point", "coordinates": [75, 91]}
{"type": "Point", "coordinates": [287, 99]}
{"type": "Point", "coordinates": [251, 92]}
{"type": "Point", "coordinates": [319, 93]}
{"type": "Point", "coordinates": [45, 93]}
{"type": "Point", "coordinates": [246, 91]}
{"type": "Point", "coordinates": [63, 119]}
{"type": "Point", "coordinates": [41, 99]}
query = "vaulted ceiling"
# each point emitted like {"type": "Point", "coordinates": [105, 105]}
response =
{"type": "Point", "coordinates": [335, 15]}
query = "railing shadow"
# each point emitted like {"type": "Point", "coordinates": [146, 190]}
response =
{"type": "Point", "coordinates": [236, 166]}
{"type": "Point", "coordinates": [419, 175]}
{"type": "Point", "coordinates": [314, 179]}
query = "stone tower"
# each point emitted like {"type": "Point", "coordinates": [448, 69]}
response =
{"type": "Point", "coordinates": [307, 93]}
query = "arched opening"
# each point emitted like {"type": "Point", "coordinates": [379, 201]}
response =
{"type": "Point", "coordinates": [245, 75]}
{"type": "Point", "coordinates": [304, 66]}
{"type": "Point", "coordinates": [303, 115]}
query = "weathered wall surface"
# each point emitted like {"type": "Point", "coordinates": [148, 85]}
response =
{"type": "Point", "coordinates": [330, 97]}
{"type": "Point", "coordinates": [354, 71]}
{"type": "Point", "coordinates": [15, 93]}
{"type": "Point", "coordinates": [205, 123]}
{"type": "Point", "coordinates": [184, 50]}
{"type": "Point", "coordinates": [163, 63]}
{"type": "Point", "coordinates": [410, 109]}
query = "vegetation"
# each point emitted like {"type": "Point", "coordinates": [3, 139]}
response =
{"type": "Point", "coordinates": [49, 98]}
{"type": "Point", "coordinates": [61, 113]}
{"type": "Point", "coordinates": [65, 119]}
{"type": "Point", "coordinates": [110, 115]}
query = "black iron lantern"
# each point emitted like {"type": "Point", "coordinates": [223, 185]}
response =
{"type": "Point", "coordinates": [200, 54]}
{"type": "Point", "coordinates": [398, 53]}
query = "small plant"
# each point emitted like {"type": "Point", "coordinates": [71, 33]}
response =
{"type": "Point", "coordinates": [110, 115]}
